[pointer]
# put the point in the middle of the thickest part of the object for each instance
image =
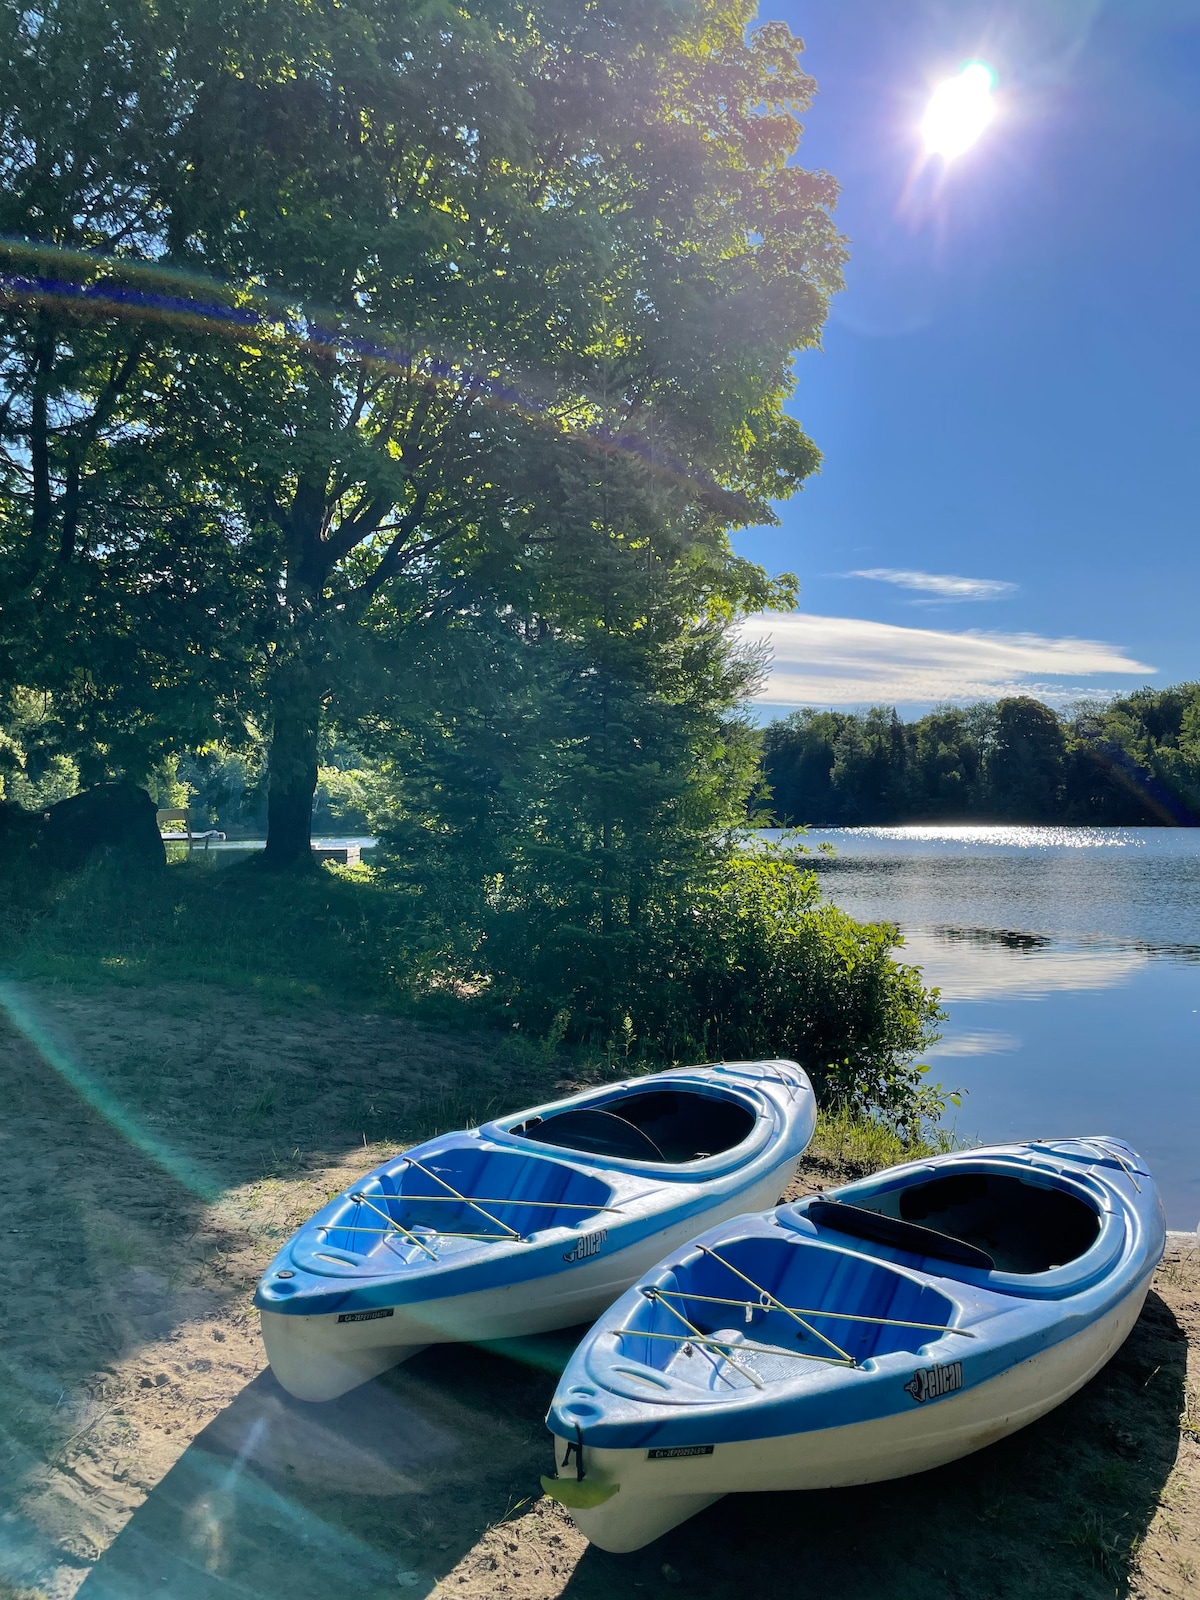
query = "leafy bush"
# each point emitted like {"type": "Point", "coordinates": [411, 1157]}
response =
{"type": "Point", "coordinates": [743, 962]}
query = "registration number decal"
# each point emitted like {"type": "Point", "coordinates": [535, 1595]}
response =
{"type": "Point", "coordinates": [366, 1316]}
{"type": "Point", "coordinates": [930, 1383]}
{"type": "Point", "coordinates": [589, 1245]}
{"type": "Point", "coordinates": [675, 1451]}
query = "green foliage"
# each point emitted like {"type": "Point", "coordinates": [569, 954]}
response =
{"type": "Point", "coordinates": [165, 785]}
{"type": "Point", "coordinates": [1024, 761]}
{"type": "Point", "coordinates": [35, 771]}
{"type": "Point", "coordinates": [416, 362]}
{"type": "Point", "coordinates": [848, 1144]}
{"type": "Point", "coordinates": [1132, 760]}
{"type": "Point", "coordinates": [741, 960]}
{"type": "Point", "coordinates": [748, 963]}
{"type": "Point", "coordinates": [523, 287]}
{"type": "Point", "coordinates": [349, 799]}
{"type": "Point", "coordinates": [225, 788]}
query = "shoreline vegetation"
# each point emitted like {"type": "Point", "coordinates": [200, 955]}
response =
{"type": "Point", "coordinates": [1131, 761]}
{"type": "Point", "coordinates": [743, 961]}
{"type": "Point", "coordinates": [391, 461]}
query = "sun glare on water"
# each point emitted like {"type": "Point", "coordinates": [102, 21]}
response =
{"type": "Point", "coordinates": [959, 110]}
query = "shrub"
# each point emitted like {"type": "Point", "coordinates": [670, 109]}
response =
{"type": "Point", "coordinates": [745, 961]}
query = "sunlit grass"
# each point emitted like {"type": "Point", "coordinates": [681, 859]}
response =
{"type": "Point", "coordinates": [329, 934]}
{"type": "Point", "coordinates": [861, 1145]}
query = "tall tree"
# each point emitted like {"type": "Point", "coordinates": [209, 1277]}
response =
{"type": "Point", "coordinates": [519, 293]}
{"type": "Point", "coordinates": [948, 761]}
{"type": "Point", "coordinates": [1023, 768]}
{"type": "Point", "coordinates": [872, 765]}
{"type": "Point", "coordinates": [586, 264]}
{"type": "Point", "coordinates": [798, 754]}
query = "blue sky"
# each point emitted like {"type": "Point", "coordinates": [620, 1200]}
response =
{"type": "Point", "coordinates": [1010, 385]}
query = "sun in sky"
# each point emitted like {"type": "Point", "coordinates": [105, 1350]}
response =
{"type": "Point", "coordinates": [959, 110]}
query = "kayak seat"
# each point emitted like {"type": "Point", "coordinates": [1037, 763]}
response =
{"type": "Point", "coordinates": [899, 1234]}
{"type": "Point", "coordinates": [1026, 1228]}
{"type": "Point", "coordinates": [664, 1125]}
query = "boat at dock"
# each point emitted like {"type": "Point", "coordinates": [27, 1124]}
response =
{"type": "Point", "coordinates": [880, 1329]}
{"type": "Point", "coordinates": [533, 1221]}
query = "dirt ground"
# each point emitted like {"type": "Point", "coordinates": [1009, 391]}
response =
{"type": "Point", "coordinates": [156, 1145]}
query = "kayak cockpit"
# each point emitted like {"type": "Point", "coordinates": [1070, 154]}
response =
{"type": "Point", "coordinates": [1020, 1225]}
{"type": "Point", "coordinates": [417, 1212]}
{"type": "Point", "coordinates": [765, 1309]}
{"type": "Point", "coordinates": [673, 1125]}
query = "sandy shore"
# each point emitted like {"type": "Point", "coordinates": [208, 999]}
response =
{"type": "Point", "coordinates": [156, 1146]}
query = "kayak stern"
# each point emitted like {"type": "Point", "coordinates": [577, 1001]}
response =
{"type": "Point", "coordinates": [315, 1359]}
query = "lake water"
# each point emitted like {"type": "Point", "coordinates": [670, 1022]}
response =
{"type": "Point", "coordinates": [1069, 963]}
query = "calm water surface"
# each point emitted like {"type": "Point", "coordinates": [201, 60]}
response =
{"type": "Point", "coordinates": [1069, 963]}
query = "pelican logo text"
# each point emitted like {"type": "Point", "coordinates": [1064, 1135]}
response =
{"type": "Point", "coordinates": [589, 1245]}
{"type": "Point", "coordinates": [930, 1383]}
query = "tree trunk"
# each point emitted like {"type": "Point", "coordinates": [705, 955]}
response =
{"type": "Point", "coordinates": [292, 770]}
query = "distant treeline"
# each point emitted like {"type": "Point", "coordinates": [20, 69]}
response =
{"type": "Point", "coordinates": [1130, 761]}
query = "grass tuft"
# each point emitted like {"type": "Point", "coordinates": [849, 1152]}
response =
{"type": "Point", "coordinates": [846, 1142]}
{"type": "Point", "coordinates": [1189, 1418]}
{"type": "Point", "coordinates": [1103, 1548]}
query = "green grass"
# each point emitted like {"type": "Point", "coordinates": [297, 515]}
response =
{"type": "Point", "coordinates": [857, 1145]}
{"type": "Point", "coordinates": [333, 934]}
{"type": "Point", "coordinates": [1102, 1545]}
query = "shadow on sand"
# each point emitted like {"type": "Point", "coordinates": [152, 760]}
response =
{"type": "Point", "coordinates": [395, 1485]}
{"type": "Point", "coordinates": [383, 1489]}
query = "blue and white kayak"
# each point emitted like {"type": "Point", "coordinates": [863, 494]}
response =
{"type": "Point", "coordinates": [531, 1222]}
{"type": "Point", "coordinates": [880, 1329]}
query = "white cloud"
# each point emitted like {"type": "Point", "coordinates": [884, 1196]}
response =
{"type": "Point", "coordinates": [981, 1042]}
{"type": "Point", "coordinates": [942, 585]}
{"type": "Point", "coordinates": [829, 661]}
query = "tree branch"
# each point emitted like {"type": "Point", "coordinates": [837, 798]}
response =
{"type": "Point", "coordinates": [102, 411]}
{"type": "Point", "coordinates": [393, 558]}
{"type": "Point", "coordinates": [39, 435]}
{"type": "Point", "coordinates": [355, 529]}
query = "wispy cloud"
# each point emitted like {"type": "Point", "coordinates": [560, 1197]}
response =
{"type": "Point", "coordinates": [941, 585]}
{"type": "Point", "coordinates": [982, 1042]}
{"type": "Point", "coordinates": [828, 661]}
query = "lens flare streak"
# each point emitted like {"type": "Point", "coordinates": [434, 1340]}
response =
{"type": "Point", "coordinates": [252, 314]}
{"type": "Point", "coordinates": [189, 1174]}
